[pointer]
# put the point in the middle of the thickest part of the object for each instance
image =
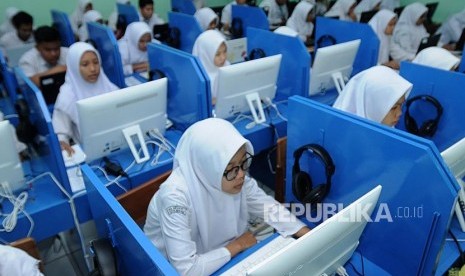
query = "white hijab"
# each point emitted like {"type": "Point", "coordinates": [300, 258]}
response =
{"type": "Point", "coordinates": [406, 26]}
{"type": "Point", "coordinates": [372, 93]}
{"type": "Point", "coordinates": [366, 5]}
{"type": "Point", "coordinates": [89, 16]}
{"type": "Point", "coordinates": [341, 8]}
{"type": "Point", "coordinates": [128, 44]}
{"type": "Point", "coordinates": [451, 29]}
{"type": "Point", "coordinates": [298, 20]}
{"type": "Point", "coordinates": [75, 87]}
{"type": "Point", "coordinates": [205, 16]}
{"type": "Point", "coordinates": [202, 155]}
{"type": "Point", "coordinates": [436, 57]}
{"type": "Point", "coordinates": [378, 23]}
{"type": "Point", "coordinates": [205, 47]}
{"type": "Point", "coordinates": [284, 30]}
{"type": "Point", "coordinates": [78, 13]}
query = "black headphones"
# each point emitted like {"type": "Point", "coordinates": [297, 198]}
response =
{"type": "Point", "coordinates": [256, 53]}
{"type": "Point", "coordinates": [429, 127]}
{"type": "Point", "coordinates": [302, 185]}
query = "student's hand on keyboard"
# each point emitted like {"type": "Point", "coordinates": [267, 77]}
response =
{"type": "Point", "coordinates": [240, 244]}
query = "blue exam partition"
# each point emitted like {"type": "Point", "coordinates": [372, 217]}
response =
{"type": "Point", "coordinates": [135, 253]}
{"type": "Point", "coordinates": [61, 22]}
{"type": "Point", "coordinates": [447, 88]}
{"type": "Point", "coordinates": [105, 43]}
{"type": "Point", "coordinates": [189, 97]}
{"type": "Point", "coordinates": [250, 17]}
{"type": "Point", "coordinates": [418, 194]}
{"type": "Point", "coordinates": [128, 12]}
{"type": "Point", "coordinates": [10, 82]}
{"type": "Point", "coordinates": [183, 6]}
{"type": "Point", "coordinates": [189, 29]}
{"type": "Point", "coordinates": [343, 31]}
{"type": "Point", "coordinates": [462, 62]}
{"type": "Point", "coordinates": [295, 63]}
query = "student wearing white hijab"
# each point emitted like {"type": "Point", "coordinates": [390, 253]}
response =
{"type": "Point", "coordinates": [437, 57]}
{"type": "Point", "coordinates": [376, 94]}
{"type": "Point", "coordinates": [210, 47]}
{"type": "Point", "coordinates": [390, 4]}
{"type": "Point", "coordinates": [133, 48]}
{"type": "Point", "coordinates": [198, 218]}
{"type": "Point", "coordinates": [113, 18]}
{"type": "Point", "coordinates": [277, 12]}
{"type": "Point", "coordinates": [207, 18]}
{"type": "Point", "coordinates": [7, 25]}
{"type": "Point", "coordinates": [75, 18]}
{"type": "Point", "coordinates": [84, 78]}
{"type": "Point", "coordinates": [366, 5]}
{"type": "Point", "coordinates": [344, 9]}
{"type": "Point", "coordinates": [301, 20]}
{"type": "Point", "coordinates": [383, 24]}
{"type": "Point", "coordinates": [451, 30]}
{"type": "Point", "coordinates": [89, 16]}
{"type": "Point", "coordinates": [226, 14]}
{"type": "Point", "coordinates": [409, 32]}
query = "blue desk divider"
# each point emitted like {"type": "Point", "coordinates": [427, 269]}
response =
{"type": "Point", "coordinates": [129, 13]}
{"type": "Point", "coordinates": [135, 253]}
{"type": "Point", "coordinates": [447, 88]}
{"type": "Point", "coordinates": [295, 64]}
{"type": "Point", "coordinates": [418, 191]}
{"type": "Point", "coordinates": [189, 97]}
{"type": "Point", "coordinates": [250, 17]}
{"type": "Point", "coordinates": [189, 29]}
{"type": "Point", "coordinates": [343, 31]}
{"type": "Point", "coordinates": [10, 82]}
{"type": "Point", "coordinates": [183, 6]}
{"type": "Point", "coordinates": [61, 22]}
{"type": "Point", "coordinates": [462, 62]}
{"type": "Point", "coordinates": [106, 45]}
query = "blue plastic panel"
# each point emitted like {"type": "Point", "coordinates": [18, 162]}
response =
{"type": "Point", "coordinates": [418, 192]}
{"type": "Point", "coordinates": [129, 12]}
{"type": "Point", "coordinates": [183, 6]}
{"type": "Point", "coordinates": [106, 45]}
{"type": "Point", "coordinates": [189, 29]}
{"type": "Point", "coordinates": [9, 79]}
{"type": "Point", "coordinates": [462, 63]}
{"type": "Point", "coordinates": [251, 17]}
{"type": "Point", "coordinates": [343, 31]}
{"type": "Point", "coordinates": [61, 22]}
{"type": "Point", "coordinates": [293, 78]}
{"type": "Point", "coordinates": [447, 88]}
{"type": "Point", "coordinates": [135, 253]}
{"type": "Point", "coordinates": [189, 97]}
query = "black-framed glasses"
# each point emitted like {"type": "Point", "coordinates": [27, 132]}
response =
{"type": "Point", "coordinates": [231, 174]}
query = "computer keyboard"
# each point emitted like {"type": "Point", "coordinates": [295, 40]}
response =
{"type": "Point", "coordinates": [258, 256]}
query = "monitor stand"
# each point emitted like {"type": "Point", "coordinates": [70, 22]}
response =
{"type": "Point", "coordinates": [255, 104]}
{"type": "Point", "coordinates": [136, 142]}
{"type": "Point", "coordinates": [339, 82]}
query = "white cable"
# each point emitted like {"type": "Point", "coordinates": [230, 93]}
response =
{"type": "Point", "coordinates": [10, 220]}
{"type": "Point", "coordinates": [110, 181]}
{"type": "Point", "coordinates": [275, 107]}
{"type": "Point", "coordinates": [341, 271]}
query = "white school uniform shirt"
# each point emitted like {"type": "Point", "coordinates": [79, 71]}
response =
{"type": "Point", "coordinates": [364, 6]}
{"type": "Point", "coordinates": [372, 93]}
{"type": "Point", "coordinates": [298, 20]}
{"type": "Point", "coordinates": [89, 16]}
{"type": "Point", "coordinates": [152, 21]}
{"type": "Point", "coordinates": [33, 63]}
{"type": "Point", "coordinates": [436, 57]}
{"type": "Point", "coordinates": [75, 19]}
{"type": "Point", "coordinates": [190, 219]}
{"type": "Point", "coordinates": [407, 35]}
{"type": "Point", "coordinates": [12, 40]}
{"type": "Point", "coordinates": [341, 8]}
{"type": "Point", "coordinates": [15, 261]}
{"type": "Point", "coordinates": [113, 18]}
{"type": "Point", "coordinates": [205, 47]}
{"type": "Point", "coordinates": [7, 25]}
{"type": "Point", "coordinates": [276, 12]}
{"type": "Point", "coordinates": [452, 28]}
{"type": "Point", "coordinates": [205, 16]}
{"type": "Point", "coordinates": [390, 4]}
{"type": "Point", "coordinates": [226, 13]}
{"type": "Point", "coordinates": [128, 46]}
{"type": "Point", "coordinates": [65, 117]}
{"type": "Point", "coordinates": [378, 23]}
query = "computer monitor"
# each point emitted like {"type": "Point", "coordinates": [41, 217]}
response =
{"type": "Point", "coordinates": [461, 42]}
{"type": "Point", "coordinates": [11, 170]}
{"type": "Point", "coordinates": [326, 247]}
{"type": "Point", "coordinates": [332, 67]}
{"type": "Point", "coordinates": [454, 156]}
{"type": "Point", "coordinates": [105, 120]}
{"type": "Point", "coordinates": [366, 16]}
{"type": "Point", "coordinates": [14, 54]}
{"type": "Point", "coordinates": [50, 86]}
{"type": "Point", "coordinates": [431, 10]}
{"type": "Point", "coordinates": [429, 42]}
{"type": "Point", "coordinates": [242, 86]}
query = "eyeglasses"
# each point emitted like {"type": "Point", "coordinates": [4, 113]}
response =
{"type": "Point", "coordinates": [231, 174]}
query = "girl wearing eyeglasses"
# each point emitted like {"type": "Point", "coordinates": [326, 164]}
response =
{"type": "Point", "coordinates": [198, 218]}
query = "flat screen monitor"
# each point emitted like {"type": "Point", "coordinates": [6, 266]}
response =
{"type": "Point", "coordinates": [366, 16]}
{"type": "Point", "coordinates": [429, 42]}
{"type": "Point", "coordinates": [326, 247]}
{"type": "Point", "coordinates": [242, 86]}
{"type": "Point", "coordinates": [332, 67]}
{"type": "Point", "coordinates": [461, 42]}
{"type": "Point", "coordinates": [454, 156]}
{"type": "Point", "coordinates": [50, 86]}
{"type": "Point", "coordinates": [431, 9]}
{"type": "Point", "coordinates": [15, 53]}
{"type": "Point", "coordinates": [103, 119]}
{"type": "Point", "coordinates": [11, 170]}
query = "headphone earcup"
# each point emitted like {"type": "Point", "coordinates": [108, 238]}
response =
{"type": "Point", "coordinates": [410, 124]}
{"type": "Point", "coordinates": [302, 185]}
{"type": "Point", "coordinates": [428, 128]}
{"type": "Point", "coordinates": [316, 195]}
